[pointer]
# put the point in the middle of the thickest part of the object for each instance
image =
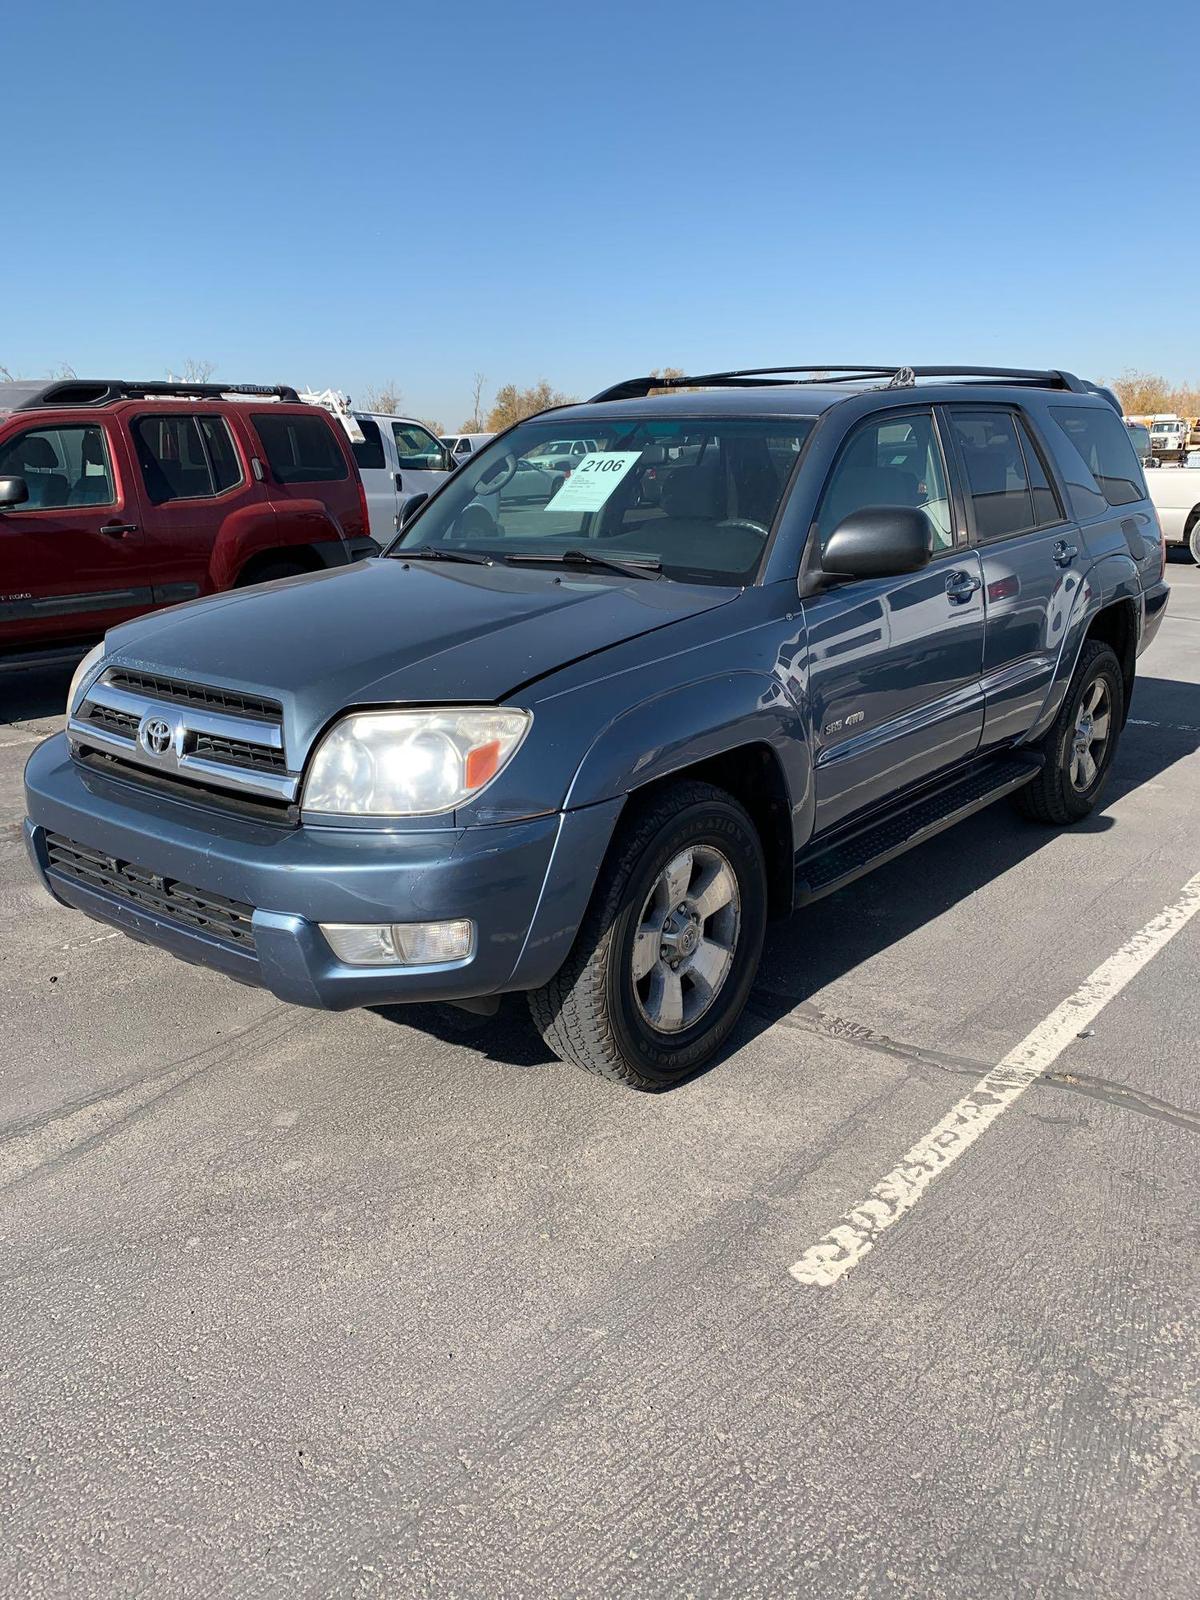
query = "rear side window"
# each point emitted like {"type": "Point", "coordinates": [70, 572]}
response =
{"type": "Point", "coordinates": [1010, 492]}
{"type": "Point", "coordinates": [300, 449]}
{"type": "Point", "coordinates": [66, 466]}
{"type": "Point", "coordinates": [1101, 441]}
{"type": "Point", "coordinates": [369, 454]}
{"type": "Point", "coordinates": [185, 458]}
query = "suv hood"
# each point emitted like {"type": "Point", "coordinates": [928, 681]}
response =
{"type": "Point", "coordinates": [381, 632]}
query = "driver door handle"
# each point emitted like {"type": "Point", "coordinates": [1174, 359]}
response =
{"type": "Point", "coordinates": [118, 530]}
{"type": "Point", "coordinates": [961, 585]}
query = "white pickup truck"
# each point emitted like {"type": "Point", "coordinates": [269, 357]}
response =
{"type": "Point", "coordinates": [1175, 492]}
{"type": "Point", "coordinates": [1169, 436]}
{"type": "Point", "coordinates": [398, 458]}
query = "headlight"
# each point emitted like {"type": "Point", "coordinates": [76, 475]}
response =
{"type": "Point", "coordinates": [83, 675]}
{"type": "Point", "coordinates": [410, 763]}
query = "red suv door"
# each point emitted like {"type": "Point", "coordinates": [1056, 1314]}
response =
{"type": "Point", "coordinates": [204, 512]}
{"type": "Point", "coordinates": [72, 556]}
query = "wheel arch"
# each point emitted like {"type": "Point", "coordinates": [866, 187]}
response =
{"type": "Point", "coordinates": [1107, 607]}
{"type": "Point", "coordinates": [731, 731]}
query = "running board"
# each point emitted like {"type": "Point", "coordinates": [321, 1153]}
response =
{"type": "Point", "coordinates": [838, 862]}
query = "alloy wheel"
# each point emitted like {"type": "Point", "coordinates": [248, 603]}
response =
{"type": "Point", "coordinates": [1090, 739]}
{"type": "Point", "coordinates": [686, 937]}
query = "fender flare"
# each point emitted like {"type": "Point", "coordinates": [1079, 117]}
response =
{"type": "Point", "coordinates": [694, 722]}
{"type": "Point", "coordinates": [1111, 580]}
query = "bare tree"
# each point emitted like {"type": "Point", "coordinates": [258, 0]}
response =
{"type": "Point", "coordinates": [474, 423]}
{"type": "Point", "coordinates": [193, 372]}
{"type": "Point", "coordinates": [387, 399]}
{"type": "Point", "coordinates": [435, 428]}
{"type": "Point", "coordinates": [9, 377]}
{"type": "Point", "coordinates": [1143, 393]}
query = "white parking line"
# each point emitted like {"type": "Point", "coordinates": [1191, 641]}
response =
{"type": "Point", "coordinates": [843, 1247]}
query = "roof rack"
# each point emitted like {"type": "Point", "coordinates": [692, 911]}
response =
{"type": "Point", "coordinates": [101, 391]}
{"type": "Point", "coordinates": [898, 377]}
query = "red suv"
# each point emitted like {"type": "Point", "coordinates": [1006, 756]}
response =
{"type": "Point", "coordinates": [119, 497]}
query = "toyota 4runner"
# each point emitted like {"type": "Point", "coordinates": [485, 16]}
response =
{"type": "Point", "coordinates": [583, 746]}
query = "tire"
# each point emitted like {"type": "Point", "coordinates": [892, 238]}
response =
{"type": "Point", "coordinates": [596, 1012]}
{"type": "Point", "coordinates": [1065, 791]}
{"type": "Point", "coordinates": [1194, 541]}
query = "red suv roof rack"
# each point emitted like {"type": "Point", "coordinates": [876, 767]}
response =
{"type": "Point", "coordinates": [101, 391]}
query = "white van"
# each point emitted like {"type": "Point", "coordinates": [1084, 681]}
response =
{"type": "Point", "coordinates": [397, 458]}
{"type": "Point", "coordinates": [462, 445]}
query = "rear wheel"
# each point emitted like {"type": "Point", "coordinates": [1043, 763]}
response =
{"type": "Point", "coordinates": [665, 958]}
{"type": "Point", "coordinates": [1080, 747]}
{"type": "Point", "coordinates": [1194, 540]}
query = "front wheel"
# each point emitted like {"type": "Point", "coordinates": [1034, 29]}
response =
{"type": "Point", "coordinates": [1080, 747]}
{"type": "Point", "coordinates": [666, 955]}
{"type": "Point", "coordinates": [1194, 541]}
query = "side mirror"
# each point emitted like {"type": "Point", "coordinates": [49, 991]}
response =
{"type": "Point", "coordinates": [449, 464]}
{"type": "Point", "coordinates": [411, 508]}
{"type": "Point", "coordinates": [878, 542]}
{"type": "Point", "coordinates": [13, 491]}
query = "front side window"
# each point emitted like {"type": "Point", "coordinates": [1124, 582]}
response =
{"type": "Point", "coordinates": [184, 457]}
{"type": "Point", "coordinates": [417, 449]}
{"type": "Point", "coordinates": [696, 495]}
{"type": "Point", "coordinates": [997, 475]}
{"type": "Point", "coordinates": [890, 461]}
{"type": "Point", "coordinates": [1101, 441]}
{"type": "Point", "coordinates": [300, 449]}
{"type": "Point", "coordinates": [66, 466]}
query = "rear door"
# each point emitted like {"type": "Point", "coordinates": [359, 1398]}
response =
{"type": "Point", "coordinates": [1029, 551]}
{"type": "Point", "coordinates": [195, 485]}
{"type": "Point", "coordinates": [73, 556]}
{"type": "Point", "coordinates": [894, 663]}
{"type": "Point", "coordinates": [312, 479]}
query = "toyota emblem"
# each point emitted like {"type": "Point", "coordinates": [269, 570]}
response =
{"type": "Point", "coordinates": [155, 734]}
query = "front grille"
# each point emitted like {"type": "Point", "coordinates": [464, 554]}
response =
{"type": "Point", "coordinates": [190, 790]}
{"type": "Point", "coordinates": [122, 722]}
{"type": "Point", "coordinates": [231, 702]}
{"type": "Point", "coordinates": [220, 740]}
{"type": "Point", "coordinates": [237, 753]}
{"type": "Point", "coordinates": [168, 898]}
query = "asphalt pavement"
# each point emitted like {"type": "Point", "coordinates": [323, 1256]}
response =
{"type": "Point", "coordinates": [392, 1304]}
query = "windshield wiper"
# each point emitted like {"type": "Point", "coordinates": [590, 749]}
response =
{"type": "Point", "coordinates": [639, 567]}
{"type": "Point", "coordinates": [438, 552]}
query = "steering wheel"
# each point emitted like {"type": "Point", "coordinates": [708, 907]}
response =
{"type": "Point", "coordinates": [500, 477]}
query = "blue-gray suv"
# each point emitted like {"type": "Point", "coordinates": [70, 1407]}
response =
{"type": "Point", "coordinates": [772, 628]}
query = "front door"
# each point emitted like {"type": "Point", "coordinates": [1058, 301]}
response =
{"type": "Point", "coordinates": [72, 556]}
{"type": "Point", "coordinates": [894, 663]}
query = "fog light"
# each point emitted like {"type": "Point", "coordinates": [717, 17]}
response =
{"type": "Point", "coordinates": [400, 944]}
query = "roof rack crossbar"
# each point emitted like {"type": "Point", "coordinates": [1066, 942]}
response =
{"type": "Point", "coordinates": [101, 391]}
{"type": "Point", "coordinates": [762, 377]}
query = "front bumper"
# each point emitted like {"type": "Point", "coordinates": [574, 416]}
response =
{"type": "Point", "coordinates": [525, 885]}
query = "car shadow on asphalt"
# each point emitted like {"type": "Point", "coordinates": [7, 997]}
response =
{"type": "Point", "coordinates": [29, 694]}
{"type": "Point", "coordinates": [823, 942]}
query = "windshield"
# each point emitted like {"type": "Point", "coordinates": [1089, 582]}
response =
{"type": "Point", "coordinates": [1165, 427]}
{"type": "Point", "coordinates": [698, 495]}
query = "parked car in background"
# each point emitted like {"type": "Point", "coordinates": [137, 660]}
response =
{"type": "Point", "coordinates": [1169, 437]}
{"type": "Point", "coordinates": [118, 497]}
{"type": "Point", "coordinates": [1175, 492]}
{"type": "Point", "coordinates": [582, 750]}
{"type": "Point", "coordinates": [1139, 437]}
{"type": "Point", "coordinates": [462, 445]}
{"type": "Point", "coordinates": [561, 455]}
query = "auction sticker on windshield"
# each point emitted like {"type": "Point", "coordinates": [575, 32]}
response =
{"type": "Point", "coordinates": [593, 480]}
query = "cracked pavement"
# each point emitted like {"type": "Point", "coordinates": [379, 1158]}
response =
{"type": "Point", "coordinates": [390, 1304]}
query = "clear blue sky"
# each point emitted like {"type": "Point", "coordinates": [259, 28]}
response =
{"type": "Point", "coordinates": [342, 194]}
